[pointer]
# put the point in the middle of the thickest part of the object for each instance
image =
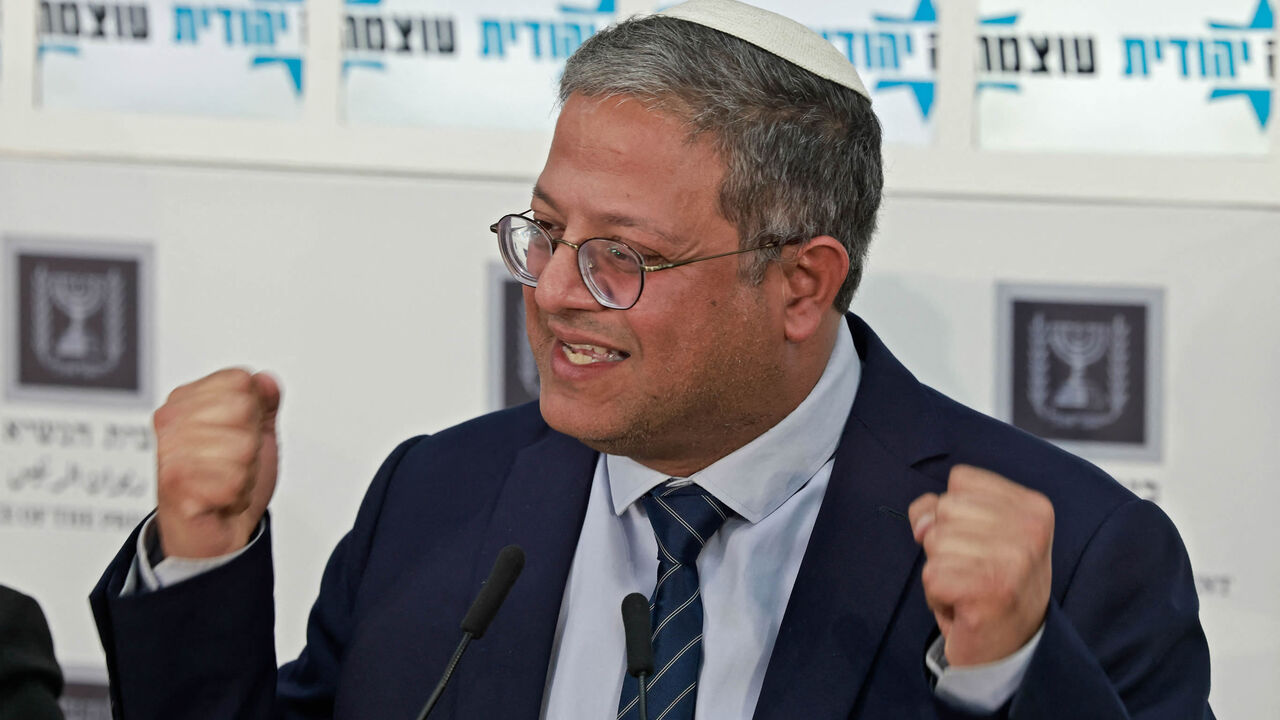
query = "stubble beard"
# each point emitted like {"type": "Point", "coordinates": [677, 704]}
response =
{"type": "Point", "coordinates": [699, 420]}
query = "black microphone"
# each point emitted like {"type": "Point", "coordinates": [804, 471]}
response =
{"type": "Point", "coordinates": [503, 575]}
{"type": "Point", "coordinates": [636, 624]}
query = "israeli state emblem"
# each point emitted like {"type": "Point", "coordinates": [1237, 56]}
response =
{"type": "Point", "coordinates": [1078, 371]}
{"type": "Point", "coordinates": [78, 321]}
{"type": "Point", "coordinates": [1080, 366]}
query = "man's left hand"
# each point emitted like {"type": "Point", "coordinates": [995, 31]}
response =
{"type": "Point", "coordinates": [988, 571]}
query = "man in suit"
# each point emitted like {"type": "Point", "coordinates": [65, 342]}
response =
{"type": "Point", "coordinates": [30, 679]}
{"type": "Point", "coordinates": [820, 535]}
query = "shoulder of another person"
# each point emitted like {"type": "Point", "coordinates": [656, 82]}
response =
{"type": "Point", "coordinates": [25, 643]}
{"type": "Point", "coordinates": [17, 611]}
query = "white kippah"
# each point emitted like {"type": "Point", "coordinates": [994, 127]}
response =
{"type": "Point", "coordinates": [773, 33]}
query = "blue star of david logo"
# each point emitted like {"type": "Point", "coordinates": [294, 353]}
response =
{"type": "Point", "coordinates": [1264, 20]}
{"type": "Point", "coordinates": [604, 7]}
{"type": "Point", "coordinates": [923, 90]}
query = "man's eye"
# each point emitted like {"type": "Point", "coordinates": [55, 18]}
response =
{"type": "Point", "coordinates": [551, 229]}
{"type": "Point", "coordinates": [648, 257]}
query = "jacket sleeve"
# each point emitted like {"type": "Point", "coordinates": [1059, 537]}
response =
{"type": "Point", "coordinates": [1124, 639]}
{"type": "Point", "coordinates": [204, 648]}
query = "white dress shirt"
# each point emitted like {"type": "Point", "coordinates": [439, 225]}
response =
{"type": "Point", "coordinates": [746, 571]}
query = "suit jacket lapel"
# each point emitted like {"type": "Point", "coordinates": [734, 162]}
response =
{"type": "Point", "coordinates": [540, 508]}
{"type": "Point", "coordinates": [861, 554]}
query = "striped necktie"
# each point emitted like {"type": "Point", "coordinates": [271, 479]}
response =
{"type": "Point", "coordinates": [683, 519]}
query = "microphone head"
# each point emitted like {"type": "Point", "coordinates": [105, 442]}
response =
{"type": "Point", "coordinates": [636, 624]}
{"type": "Point", "coordinates": [503, 575]}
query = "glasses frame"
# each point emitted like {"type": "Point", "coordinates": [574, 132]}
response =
{"type": "Point", "coordinates": [524, 278]}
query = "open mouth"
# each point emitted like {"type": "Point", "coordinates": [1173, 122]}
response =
{"type": "Point", "coordinates": [583, 354]}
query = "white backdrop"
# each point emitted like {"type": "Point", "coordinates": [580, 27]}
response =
{"type": "Point", "coordinates": [367, 295]}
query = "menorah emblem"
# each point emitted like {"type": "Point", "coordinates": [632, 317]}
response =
{"type": "Point", "coordinates": [78, 351]}
{"type": "Point", "coordinates": [1079, 345]}
{"type": "Point", "coordinates": [79, 295]}
{"type": "Point", "coordinates": [1079, 402]}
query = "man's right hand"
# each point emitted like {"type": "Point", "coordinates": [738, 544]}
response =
{"type": "Point", "coordinates": [216, 462]}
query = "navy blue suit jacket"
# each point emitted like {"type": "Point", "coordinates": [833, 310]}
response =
{"type": "Point", "coordinates": [1122, 638]}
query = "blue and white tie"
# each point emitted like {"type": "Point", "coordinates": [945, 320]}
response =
{"type": "Point", "coordinates": [683, 520]}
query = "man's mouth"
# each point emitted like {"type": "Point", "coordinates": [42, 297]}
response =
{"type": "Point", "coordinates": [582, 354]}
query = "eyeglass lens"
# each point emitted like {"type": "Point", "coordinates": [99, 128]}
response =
{"type": "Point", "coordinates": [612, 271]}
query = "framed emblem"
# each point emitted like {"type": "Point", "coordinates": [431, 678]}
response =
{"type": "Point", "coordinates": [78, 321]}
{"type": "Point", "coordinates": [1082, 367]}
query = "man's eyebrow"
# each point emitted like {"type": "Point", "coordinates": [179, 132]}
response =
{"type": "Point", "coordinates": [613, 219]}
{"type": "Point", "coordinates": [540, 194]}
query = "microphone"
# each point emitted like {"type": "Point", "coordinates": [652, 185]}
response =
{"type": "Point", "coordinates": [636, 625]}
{"type": "Point", "coordinates": [503, 575]}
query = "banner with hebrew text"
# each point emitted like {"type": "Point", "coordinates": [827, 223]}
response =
{"type": "Point", "coordinates": [226, 58]}
{"type": "Point", "coordinates": [481, 63]}
{"type": "Point", "coordinates": [496, 64]}
{"type": "Point", "coordinates": [892, 43]}
{"type": "Point", "coordinates": [1185, 77]}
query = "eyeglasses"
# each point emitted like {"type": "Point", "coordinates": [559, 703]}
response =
{"type": "Point", "coordinates": [612, 270]}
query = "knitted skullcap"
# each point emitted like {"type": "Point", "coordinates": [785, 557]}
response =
{"type": "Point", "coordinates": [775, 34]}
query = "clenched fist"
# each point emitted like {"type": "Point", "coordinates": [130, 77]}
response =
{"type": "Point", "coordinates": [216, 462]}
{"type": "Point", "coordinates": [988, 543]}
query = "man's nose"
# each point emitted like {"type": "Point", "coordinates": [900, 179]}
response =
{"type": "Point", "coordinates": [560, 286]}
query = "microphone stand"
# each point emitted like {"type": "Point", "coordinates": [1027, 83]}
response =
{"type": "Point", "coordinates": [503, 575]}
{"type": "Point", "coordinates": [644, 712]}
{"type": "Point", "coordinates": [448, 673]}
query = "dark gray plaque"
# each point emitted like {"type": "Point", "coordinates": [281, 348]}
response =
{"type": "Point", "coordinates": [78, 321]}
{"type": "Point", "coordinates": [1080, 366]}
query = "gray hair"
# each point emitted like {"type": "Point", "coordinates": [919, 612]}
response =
{"type": "Point", "coordinates": [802, 153]}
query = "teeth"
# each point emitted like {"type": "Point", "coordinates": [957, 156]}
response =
{"type": "Point", "coordinates": [580, 354]}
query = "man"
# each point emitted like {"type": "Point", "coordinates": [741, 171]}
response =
{"type": "Point", "coordinates": [812, 525]}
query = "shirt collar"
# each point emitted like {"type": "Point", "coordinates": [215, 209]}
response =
{"type": "Point", "coordinates": [759, 477]}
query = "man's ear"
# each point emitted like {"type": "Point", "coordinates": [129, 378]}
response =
{"type": "Point", "coordinates": [813, 274]}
